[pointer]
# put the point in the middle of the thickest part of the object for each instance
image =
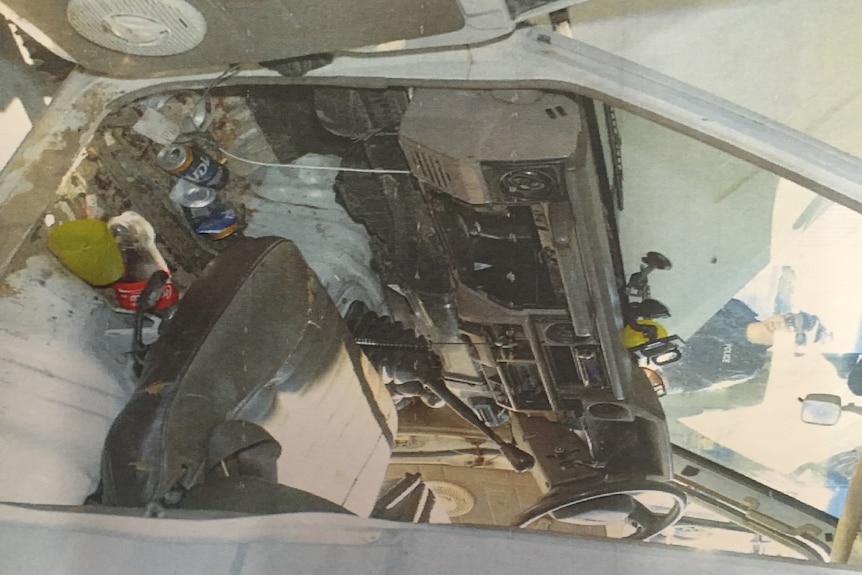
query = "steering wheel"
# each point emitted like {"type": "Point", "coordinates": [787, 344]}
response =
{"type": "Point", "coordinates": [607, 503]}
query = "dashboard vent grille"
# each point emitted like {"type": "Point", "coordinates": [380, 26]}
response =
{"type": "Point", "coordinates": [429, 168]}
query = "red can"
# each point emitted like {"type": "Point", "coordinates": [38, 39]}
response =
{"type": "Point", "coordinates": [141, 259]}
{"type": "Point", "coordinates": [128, 292]}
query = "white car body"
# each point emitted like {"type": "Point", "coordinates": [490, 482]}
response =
{"type": "Point", "coordinates": [498, 55]}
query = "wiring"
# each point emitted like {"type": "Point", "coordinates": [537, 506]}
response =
{"type": "Point", "coordinates": [319, 168]}
{"type": "Point", "coordinates": [201, 134]}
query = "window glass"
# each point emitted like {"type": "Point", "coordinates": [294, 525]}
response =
{"type": "Point", "coordinates": [764, 289]}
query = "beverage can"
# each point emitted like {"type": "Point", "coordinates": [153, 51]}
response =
{"type": "Point", "coordinates": [214, 220]}
{"type": "Point", "coordinates": [136, 237]}
{"type": "Point", "coordinates": [128, 293]}
{"type": "Point", "coordinates": [194, 165]}
{"type": "Point", "coordinates": [189, 195]}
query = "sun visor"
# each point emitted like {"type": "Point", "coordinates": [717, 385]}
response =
{"type": "Point", "coordinates": [137, 38]}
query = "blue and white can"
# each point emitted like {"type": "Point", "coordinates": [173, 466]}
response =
{"type": "Point", "coordinates": [193, 165]}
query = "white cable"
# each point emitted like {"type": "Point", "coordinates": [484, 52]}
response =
{"type": "Point", "coordinates": [321, 168]}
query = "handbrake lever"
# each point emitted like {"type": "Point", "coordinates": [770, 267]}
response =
{"type": "Point", "coordinates": [392, 347]}
{"type": "Point", "coordinates": [518, 458]}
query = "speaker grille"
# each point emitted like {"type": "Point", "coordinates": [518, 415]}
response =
{"type": "Point", "coordinates": [139, 27]}
{"type": "Point", "coordinates": [525, 181]}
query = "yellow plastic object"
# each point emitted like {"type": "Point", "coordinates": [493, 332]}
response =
{"type": "Point", "coordinates": [88, 249]}
{"type": "Point", "coordinates": [633, 338]}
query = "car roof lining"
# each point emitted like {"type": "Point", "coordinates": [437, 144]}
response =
{"type": "Point", "coordinates": [245, 31]}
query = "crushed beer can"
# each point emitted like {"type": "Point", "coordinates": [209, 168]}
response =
{"type": "Point", "coordinates": [193, 165]}
{"type": "Point", "coordinates": [204, 211]}
{"type": "Point", "coordinates": [214, 220]}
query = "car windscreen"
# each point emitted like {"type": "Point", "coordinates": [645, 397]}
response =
{"type": "Point", "coordinates": [764, 292]}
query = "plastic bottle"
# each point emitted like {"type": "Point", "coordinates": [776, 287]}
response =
{"type": "Point", "coordinates": [136, 239]}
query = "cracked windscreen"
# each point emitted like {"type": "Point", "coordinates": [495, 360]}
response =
{"type": "Point", "coordinates": [763, 289]}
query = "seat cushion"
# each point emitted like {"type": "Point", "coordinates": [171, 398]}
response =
{"type": "Point", "coordinates": [63, 379]}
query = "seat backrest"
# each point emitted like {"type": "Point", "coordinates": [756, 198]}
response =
{"type": "Point", "coordinates": [254, 339]}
